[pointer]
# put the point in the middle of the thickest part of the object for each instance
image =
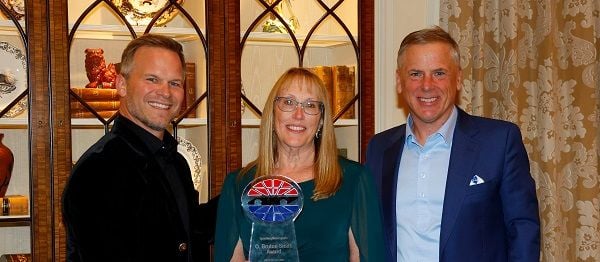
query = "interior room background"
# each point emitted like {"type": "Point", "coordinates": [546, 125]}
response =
{"type": "Point", "coordinates": [534, 63]}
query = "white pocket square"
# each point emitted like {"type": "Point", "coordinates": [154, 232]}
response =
{"type": "Point", "coordinates": [476, 180]}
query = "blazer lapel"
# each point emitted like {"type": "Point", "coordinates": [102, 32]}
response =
{"type": "Point", "coordinates": [391, 161]}
{"type": "Point", "coordinates": [465, 151]}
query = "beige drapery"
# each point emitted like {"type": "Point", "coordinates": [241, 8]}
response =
{"type": "Point", "coordinates": [535, 63]}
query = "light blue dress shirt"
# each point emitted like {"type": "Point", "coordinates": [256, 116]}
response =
{"type": "Point", "coordinates": [420, 192]}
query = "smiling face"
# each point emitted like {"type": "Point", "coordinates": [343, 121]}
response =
{"type": "Point", "coordinates": [153, 90]}
{"type": "Point", "coordinates": [296, 129]}
{"type": "Point", "coordinates": [429, 80]}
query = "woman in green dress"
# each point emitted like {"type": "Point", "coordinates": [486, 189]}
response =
{"type": "Point", "coordinates": [341, 219]}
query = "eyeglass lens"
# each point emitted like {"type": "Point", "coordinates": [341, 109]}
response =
{"type": "Point", "coordinates": [288, 104]}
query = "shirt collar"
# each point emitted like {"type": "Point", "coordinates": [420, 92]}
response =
{"type": "Point", "coordinates": [446, 131]}
{"type": "Point", "coordinates": [168, 144]}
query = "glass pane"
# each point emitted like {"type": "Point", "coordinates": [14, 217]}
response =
{"type": "Point", "coordinates": [320, 34]}
{"type": "Point", "coordinates": [99, 36]}
{"type": "Point", "coordinates": [14, 133]}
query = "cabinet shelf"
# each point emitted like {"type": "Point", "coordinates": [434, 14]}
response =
{"type": "Point", "coordinates": [263, 38]}
{"type": "Point", "coordinates": [15, 221]}
{"type": "Point", "coordinates": [7, 27]}
{"type": "Point", "coordinates": [92, 122]}
{"type": "Point", "coordinates": [120, 32]}
{"type": "Point", "coordinates": [13, 123]}
{"type": "Point", "coordinates": [189, 34]}
{"type": "Point", "coordinates": [18, 123]}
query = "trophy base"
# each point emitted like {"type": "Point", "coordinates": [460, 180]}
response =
{"type": "Point", "coordinates": [273, 242]}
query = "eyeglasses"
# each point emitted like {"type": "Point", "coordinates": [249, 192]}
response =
{"type": "Point", "coordinates": [288, 104]}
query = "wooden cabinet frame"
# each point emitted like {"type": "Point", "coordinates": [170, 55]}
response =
{"type": "Point", "coordinates": [50, 128]}
{"type": "Point", "coordinates": [231, 25]}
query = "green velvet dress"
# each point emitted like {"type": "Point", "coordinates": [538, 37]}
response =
{"type": "Point", "coordinates": [322, 226]}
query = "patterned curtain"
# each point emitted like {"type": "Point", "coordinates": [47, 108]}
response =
{"type": "Point", "coordinates": [535, 63]}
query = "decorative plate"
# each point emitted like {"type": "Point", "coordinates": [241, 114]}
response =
{"type": "Point", "coordinates": [141, 12]}
{"type": "Point", "coordinates": [194, 160]}
{"type": "Point", "coordinates": [17, 109]}
{"type": "Point", "coordinates": [16, 7]}
{"type": "Point", "coordinates": [13, 78]}
{"type": "Point", "coordinates": [243, 109]}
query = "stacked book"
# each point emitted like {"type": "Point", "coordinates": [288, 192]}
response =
{"type": "Point", "coordinates": [340, 82]}
{"type": "Point", "coordinates": [190, 89]}
{"type": "Point", "coordinates": [14, 205]}
{"type": "Point", "coordinates": [104, 101]}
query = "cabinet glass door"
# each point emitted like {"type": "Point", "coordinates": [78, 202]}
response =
{"type": "Point", "coordinates": [317, 34]}
{"type": "Point", "coordinates": [15, 195]}
{"type": "Point", "coordinates": [98, 33]}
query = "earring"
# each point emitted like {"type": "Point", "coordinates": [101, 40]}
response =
{"type": "Point", "coordinates": [318, 133]}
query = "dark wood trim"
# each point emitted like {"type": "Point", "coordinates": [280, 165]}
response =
{"type": "Point", "coordinates": [15, 222]}
{"type": "Point", "coordinates": [61, 118]}
{"type": "Point", "coordinates": [233, 59]}
{"type": "Point", "coordinates": [42, 233]}
{"type": "Point", "coordinates": [224, 99]}
{"type": "Point", "coordinates": [366, 38]}
{"type": "Point", "coordinates": [217, 127]}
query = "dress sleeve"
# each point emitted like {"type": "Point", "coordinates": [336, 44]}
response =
{"type": "Point", "coordinates": [366, 223]}
{"type": "Point", "coordinates": [227, 231]}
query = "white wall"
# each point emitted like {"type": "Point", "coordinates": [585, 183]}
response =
{"type": "Point", "coordinates": [394, 19]}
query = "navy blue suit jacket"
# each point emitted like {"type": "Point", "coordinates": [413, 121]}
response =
{"type": "Point", "coordinates": [494, 221]}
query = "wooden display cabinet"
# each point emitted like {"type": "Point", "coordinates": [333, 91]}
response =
{"type": "Point", "coordinates": [15, 229]}
{"type": "Point", "coordinates": [97, 25]}
{"type": "Point", "coordinates": [218, 37]}
{"type": "Point", "coordinates": [325, 34]}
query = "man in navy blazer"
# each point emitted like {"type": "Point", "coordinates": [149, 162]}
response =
{"type": "Point", "coordinates": [454, 187]}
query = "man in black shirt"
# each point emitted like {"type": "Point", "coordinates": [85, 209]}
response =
{"type": "Point", "coordinates": [130, 197]}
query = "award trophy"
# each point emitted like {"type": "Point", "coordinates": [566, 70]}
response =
{"type": "Point", "coordinates": [272, 203]}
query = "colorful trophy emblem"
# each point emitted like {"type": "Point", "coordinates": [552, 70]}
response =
{"type": "Point", "coordinates": [272, 203]}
